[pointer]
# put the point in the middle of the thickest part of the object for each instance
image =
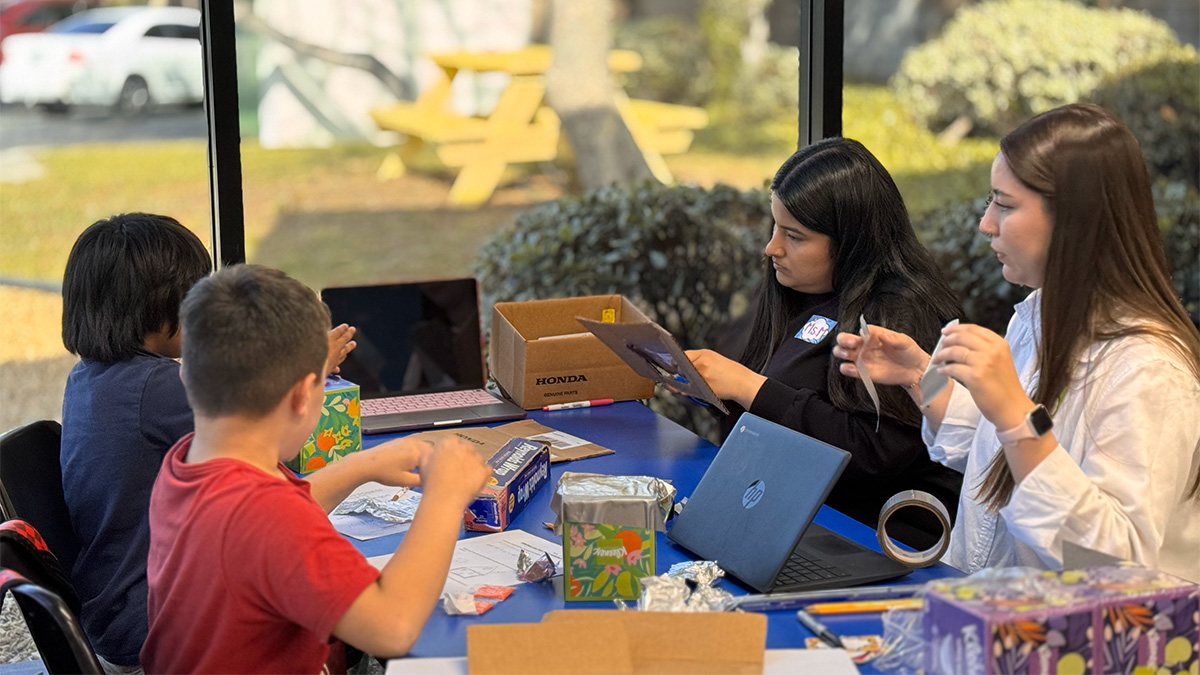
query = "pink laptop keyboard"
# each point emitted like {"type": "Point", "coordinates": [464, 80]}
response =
{"type": "Point", "coordinates": [418, 402]}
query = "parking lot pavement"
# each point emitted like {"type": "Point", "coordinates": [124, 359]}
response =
{"type": "Point", "coordinates": [22, 127]}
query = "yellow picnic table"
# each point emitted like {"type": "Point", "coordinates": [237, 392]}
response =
{"type": "Point", "coordinates": [520, 128]}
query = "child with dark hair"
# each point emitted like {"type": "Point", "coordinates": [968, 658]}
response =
{"type": "Point", "coordinates": [124, 407]}
{"type": "Point", "coordinates": [246, 573]}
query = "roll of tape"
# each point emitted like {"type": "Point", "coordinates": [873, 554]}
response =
{"type": "Point", "coordinates": [922, 500]}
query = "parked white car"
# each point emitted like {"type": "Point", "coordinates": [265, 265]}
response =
{"type": "Point", "coordinates": [127, 57]}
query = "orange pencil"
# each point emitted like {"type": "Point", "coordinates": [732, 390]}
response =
{"type": "Point", "coordinates": [864, 606]}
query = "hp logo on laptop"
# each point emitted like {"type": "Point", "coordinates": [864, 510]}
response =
{"type": "Point", "coordinates": [753, 494]}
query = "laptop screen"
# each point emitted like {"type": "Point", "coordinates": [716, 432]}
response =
{"type": "Point", "coordinates": [412, 338]}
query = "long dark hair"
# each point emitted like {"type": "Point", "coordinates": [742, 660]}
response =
{"type": "Point", "coordinates": [1106, 272]}
{"type": "Point", "coordinates": [836, 187]}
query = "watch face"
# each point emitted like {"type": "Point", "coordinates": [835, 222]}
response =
{"type": "Point", "coordinates": [1040, 420]}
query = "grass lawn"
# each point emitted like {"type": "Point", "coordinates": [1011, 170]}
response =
{"type": "Point", "coordinates": [323, 216]}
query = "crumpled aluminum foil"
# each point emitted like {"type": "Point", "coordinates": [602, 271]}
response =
{"type": "Point", "coordinates": [533, 569]}
{"type": "Point", "coordinates": [459, 603]}
{"type": "Point", "coordinates": [398, 509]}
{"type": "Point", "coordinates": [670, 592]}
{"type": "Point", "coordinates": [703, 572]}
{"type": "Point", "coordinates": [663, 594]}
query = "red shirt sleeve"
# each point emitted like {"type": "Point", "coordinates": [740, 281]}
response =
{"type": "Point", "coordinates": [283, 552]}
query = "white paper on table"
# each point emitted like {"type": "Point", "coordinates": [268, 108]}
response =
{"type": "Point", "coordinates": [446, 665]}
{"type": "Point", "coordinates": [363, 526]}
{"type": "Point", "coordinates": [775, 662]}
{"type": "Point", "coordinates": [788, 661]}
{"type": "Point", "coordinates": [490, 559]}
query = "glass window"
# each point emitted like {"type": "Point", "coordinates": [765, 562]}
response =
{"type": "Point", "coordinates": [386, 141]}
{"type": "Point", "coordinates": [69, 157]}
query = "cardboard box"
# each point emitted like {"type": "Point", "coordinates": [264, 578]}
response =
{"type": "Point", "coordinates": [607, 525]}
{"type": "Point", "coordinates": [338, 432]}
{"type": "Point", "coordinates": [541, 355]}
{"type": "Point", "coordinates": [579, 642]}
{"type": "Point", "coordinates": [1111, 619]}
{"type": "Point", "coordinates": [519, 470]}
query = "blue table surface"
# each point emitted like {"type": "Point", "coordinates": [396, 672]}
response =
{"type": "Point", "coordinates": [645, 444]}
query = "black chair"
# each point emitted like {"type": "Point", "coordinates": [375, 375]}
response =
{"type": "Point", "coordinates": [59, 639]}
{"type": "Point", "coordinates": [31, 485]}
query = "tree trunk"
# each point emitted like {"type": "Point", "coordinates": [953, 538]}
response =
{"type": "Point", "coordinates": [579, 89]}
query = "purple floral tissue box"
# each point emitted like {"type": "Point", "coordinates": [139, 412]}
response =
{"type": "Point", "coordinates": [1112, 619]}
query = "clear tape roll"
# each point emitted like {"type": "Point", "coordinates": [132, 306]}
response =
{"type": "Point", "coordinates": [922, 500]}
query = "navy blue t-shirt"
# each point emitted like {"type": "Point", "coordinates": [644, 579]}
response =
{"type": "Point", "coordinates": [119, 420]}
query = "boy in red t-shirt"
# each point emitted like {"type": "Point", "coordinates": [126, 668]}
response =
{"type": "Point", "coordinates": [246, 573]}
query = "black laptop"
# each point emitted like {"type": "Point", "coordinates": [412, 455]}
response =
{"type": "Point", "coordinates": [419, 360]}
{"type": "Point", "coordinates": [752, 513]}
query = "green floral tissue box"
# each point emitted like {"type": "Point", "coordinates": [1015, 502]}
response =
{"type": "Point", "coordinates": [608, 525]}
{"type": "Point", "coordinates": [338, 432]}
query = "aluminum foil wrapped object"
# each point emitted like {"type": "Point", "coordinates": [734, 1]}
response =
{"type": "Point", "coordinates": [670, 592]}
{"type": "Point", "coordinates": [459, 603]}
{"type": "Point", "coordinates": [533, 569]}
{"type": "Point", "coordinates": [627, 501]}
{"type": "Point", "coordinates": [663, 594]}
{"type": "Point", "coordinates": [703, 572]}
{"type": "Point", "coordinates": [400, 508]}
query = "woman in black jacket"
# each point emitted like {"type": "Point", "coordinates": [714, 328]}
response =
{"type": "Point", "coordinates": [842, 246]}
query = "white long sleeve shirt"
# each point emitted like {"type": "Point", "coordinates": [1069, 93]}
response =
{"type": "Point", "coordinates": [1128, 430]}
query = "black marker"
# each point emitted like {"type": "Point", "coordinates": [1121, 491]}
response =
{"type": "Point", "coordinates": [819, 629]}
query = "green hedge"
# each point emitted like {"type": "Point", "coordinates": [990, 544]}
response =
{"type": "Point", "coordinates": [997, 63]}
{"type": "Point", "coordinates": [1159, 98]}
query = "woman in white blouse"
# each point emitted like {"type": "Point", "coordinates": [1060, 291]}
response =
{"type": "Point", "coordinates": [1082, 424]}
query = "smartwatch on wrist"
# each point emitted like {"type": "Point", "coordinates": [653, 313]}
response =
{"type": "Point", "coordinates": [1037, 424]}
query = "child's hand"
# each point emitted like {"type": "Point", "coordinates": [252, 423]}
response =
{"type": "Point", "coordinates": [454, 470]}
{"type": "Point", "coordinates": [395, 460]}
{"type": "Point", "coordinates": [341, 343]}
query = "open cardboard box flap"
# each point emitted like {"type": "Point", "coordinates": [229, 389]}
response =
{"type": "Point", "coordinates": [583, 642]}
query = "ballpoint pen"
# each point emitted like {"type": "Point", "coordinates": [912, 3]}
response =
{"type": "Point", "coordinates": [819, 629]}
{"type": "Point", "coordinates": [861, 606]}
{"type": "Point", "coordinates": [795, 600]}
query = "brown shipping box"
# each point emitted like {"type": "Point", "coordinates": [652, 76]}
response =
{"type": "Point", "coordinates": [540, 355]}
{"type": "Point", "coordinates": [596, 642]}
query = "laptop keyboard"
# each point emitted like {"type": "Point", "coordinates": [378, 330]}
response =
{"type": "Point", "coordinates": [419, 402]}
{"type": "Point", "coordinates": [799, 569]}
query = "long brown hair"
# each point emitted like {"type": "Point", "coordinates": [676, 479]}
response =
{"type": "Point", "coordinates": [1106, 263]}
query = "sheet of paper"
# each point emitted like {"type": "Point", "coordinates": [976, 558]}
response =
{"type": "Point", "coordinates": [363, 526]}
{"type": "Point", "coordinates": [449, 665]}
{"type": "Point", "coordinates": [865, 334]}
{"type": "Point", "coordinates": [775, 662]}
{"type": "Point", "coordinates": [490, 559]}
{"type": "Point", "coordinates": [788, 661]}
{"type": "Point", "coordinates": [933, 382]}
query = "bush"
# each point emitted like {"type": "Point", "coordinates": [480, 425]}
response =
{"type": "Point", "coordinates": [687, 256]}
{"type": "Point", "coordinates": [675, 65]}
{"type": "Point", "coordinates": [1178, 208]}
{"type": "Point", "coordinates": [964, 255]}
{"type": "Point", "coordinates": [1159, 98]}
{"type": "Point", "coordinates": [998, 63]}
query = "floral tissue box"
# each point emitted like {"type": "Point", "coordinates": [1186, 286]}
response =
{"type": "Point", "coordinates": [1109, 619]}
{"type": "Point", "coordinates": [338, 432]}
